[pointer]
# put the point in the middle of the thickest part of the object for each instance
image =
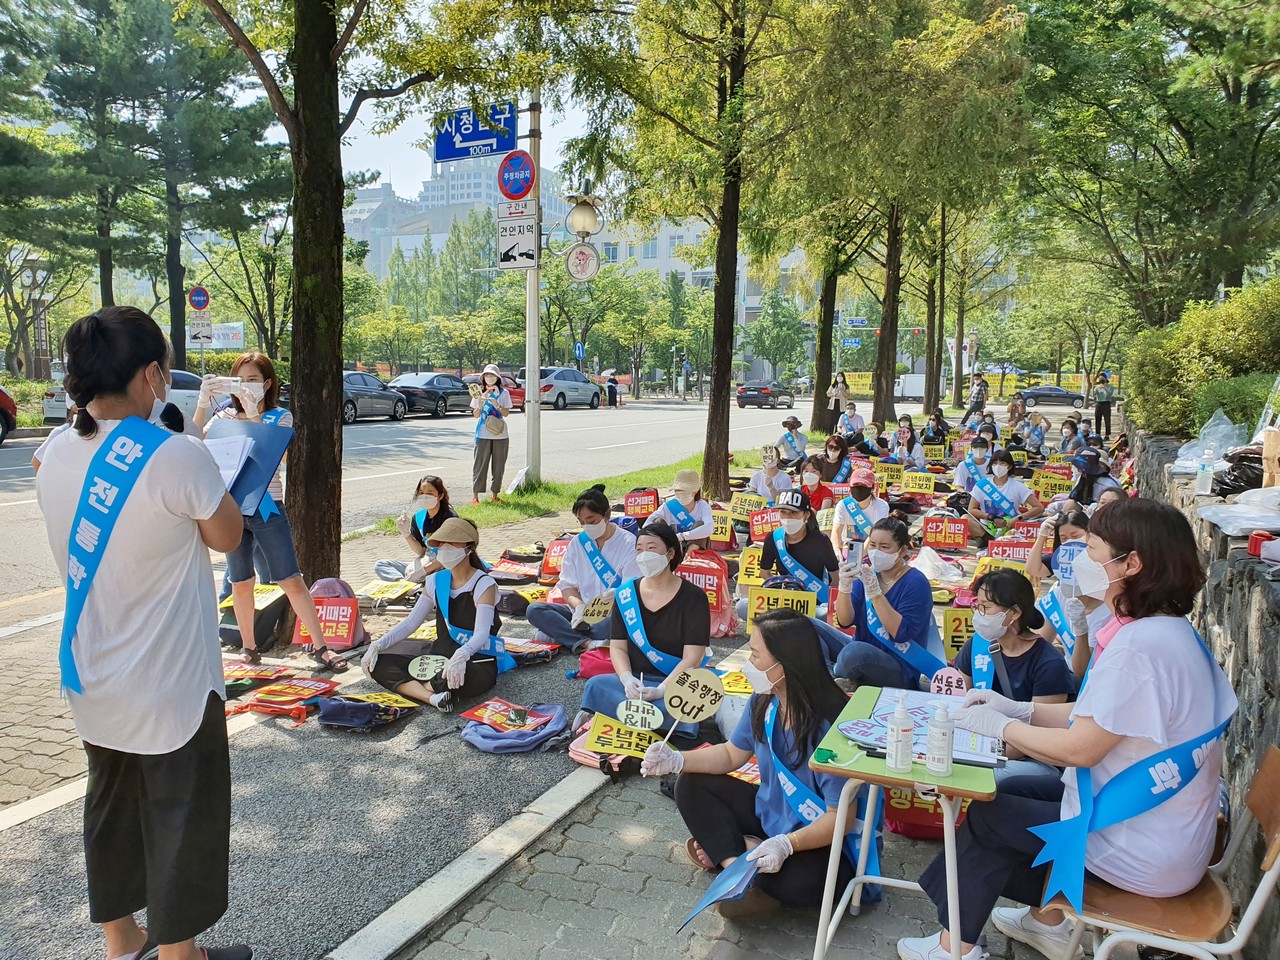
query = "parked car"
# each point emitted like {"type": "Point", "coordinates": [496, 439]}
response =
{"type": "Point", "coordinates": [8, 413]}
{"type": "Point", "coordinates": [509, 383]}
{"type": "Point", "coordinates": [434, 393]}
{"type": "Point", "coordinates": [185, 395]}
{"type": "Point", "coordinates": [562, 386]}
{"type": "Point", "coordinates": [766, 393]}
{"type": "Point", "coordinates": [1051, 394]}
{"type": "Point", "coordinates": [364, 395]}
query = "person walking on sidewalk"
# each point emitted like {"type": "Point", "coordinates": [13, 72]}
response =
{"type": "Point", "coordinates": [490, 409]}
{"type": "Point", "coordinates": [977, 398]}
{"type": "Point", "coordinates": [131, 512]}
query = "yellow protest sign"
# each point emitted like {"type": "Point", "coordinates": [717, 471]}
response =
{"type": "Point", "coordinates": [859, 383]}
{"type": "Point", "coordinates": [379, 592]}
{"type": "Point", "coordinates": [935, 452]}
{"type": "Point", "coordinates": [957, 627]}
{"type": "Point", "coordinates": [1019, 457]}
{"type": "Point", "coordinates": [264, 594]}
{"type": "Point", "coordinates": [608, 736]}
{"type": "Point", "coordinates": [888, 473]}
{"type": "Point", "coordinates": [918, 482]}
{"type": "Point", "coordinates": [736, 684]}
{"type": "Point", "coordinates": [760, 600]}
{"type": "Point", "coordinates": [386, 698]}
{"type": "Point", "coordinates": [745, 503]}
{"type": "Point", "coordinates": [694, 695]}
{"type": "Point", "coordinates": [598, 609]}
{"type": "Point", "coordinates": [425, 632]}
{"type": "Point", "coordinates": [749, 565]}
{"type": "Point", "coordinates": [721, 526]}
{"type": "Point", "coordinates": [1006, 433]}
{"type": "Point", "coordinates": [1049, 485]}
{"type": "Point", "coordinates": [826, 518]}
{"type": "Point", "coordinates": [987, 564]}
{"type": "Point", "coordinates": [1061, 457]}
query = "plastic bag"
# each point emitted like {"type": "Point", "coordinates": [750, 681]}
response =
{"type": "Point", "coordinates": [1240, 520]}
{"type": "Point", "coordinates": [935, 568]}
{"type": "Point", "coordinates": [1218, 434]}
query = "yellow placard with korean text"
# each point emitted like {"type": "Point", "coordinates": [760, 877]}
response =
{"type": "Point", "coordinates": [1061, 457]}
{"type": "Point", "coordinates": [721, 526]}
{"type": "Point", "coordinates": [859, 383]}
{"type": "Point", "coordinates": [598, 609]}
{"type": "Point", "coordinates": [608, 736]}
{"type": "Point", "coordinates": [957, 627]}
{"type": "Point", "coordinates": [749, 566]}
{"type": "Point", "coordinates": [888, 473]}
{"type": "Point", "coordinates": [745, 503]}
{"type": "Point", "coordinates": [935, 452]}
{"type": "Point", "coordinates": [987, 564]}
{"type": "Point", "coordinates": [1049, 485]}
{"type": "Point", "coordinates": [736, 684]}
{"type": "Point", "coordinates": [914, 482]}
{"type": "Point", "coordinates": [1019, 457]}
{"type": "Point", "coordinates": [760, 600]}
{"type": "Point", "coordinates": [826, 518]}
{"type": "Point", "coordinates": [264, 594]}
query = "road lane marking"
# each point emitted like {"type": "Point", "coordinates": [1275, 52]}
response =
{"type": "Point", "coordinates": [30, 597]}
{"type": "Point", "coordinates": [610, 446]}
{"type": "Point", "coordinates": [379, 476]}
{"type": "Point", "coordinates": [26, 625]}
{"type": "Point", "coordinates": [16, 503]}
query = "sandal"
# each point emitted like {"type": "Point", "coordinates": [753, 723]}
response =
{"type": "Point", "coordinates": [698, 856]}
{"type": "Point", "coordinates": [250, 655]}
{"type": "Point", "coordinates": [334, 663]}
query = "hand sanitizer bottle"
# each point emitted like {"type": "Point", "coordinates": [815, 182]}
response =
{"type": "Point", "coordinates": [899, 747]}
{"type": "Point", "coordinates": [937, 757]}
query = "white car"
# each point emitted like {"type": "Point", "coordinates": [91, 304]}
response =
{"type": "Point", "coordinates": [185, 394]}
{"type": "Point", "coordinates": [562, 386]}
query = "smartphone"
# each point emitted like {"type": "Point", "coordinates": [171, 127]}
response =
{"type": "Point", "coordinates": [853, 552]}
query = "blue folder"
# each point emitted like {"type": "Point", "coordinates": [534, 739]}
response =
{"type": "Point", "coordinates": [270, 441]}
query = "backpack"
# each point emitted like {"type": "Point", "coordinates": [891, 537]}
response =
{"type": "Point", "coordinates": [332, 588]}
{"type": "Point", "coordinates": [629, 524]}
{"type": "Point", "coordinates": [616, 767]}
{"type": "Point", "coordinates": [363, 712]}
{"type": "Point", "coordinates": [593, 663]}
{"type": "Point", "coordinates": [486, 738]}
{"type": "Point", "coordinates": [708, 571]}
{"type": "Point", "coordinates": [530, 553]}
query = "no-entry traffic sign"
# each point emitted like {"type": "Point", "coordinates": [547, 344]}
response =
{"type": "Point", "coordinates": [516, 175]}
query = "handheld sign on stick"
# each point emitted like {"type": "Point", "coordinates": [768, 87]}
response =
{"type": "Point", "coordinates": [693, 696]}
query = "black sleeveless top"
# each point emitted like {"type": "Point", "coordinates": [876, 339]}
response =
{"type": "Point", "coordinates": [462, 612]}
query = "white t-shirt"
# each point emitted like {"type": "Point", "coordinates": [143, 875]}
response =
{"type": "Point", "coordinates": [620, 552]}
{"type": "Point", "coordinates": [913, 457]}
{"type": "Point", "coordinates": [1154, 686]}
{"type": "Point", "coordinates": [702, 522]}
{"type": "Point", "coordinates": [1015, 490]}
{"type": "Point", "coordinates": [503, 400]}
{"type": "Point", "coordinates": [781, 482]}
{"type": "Point", "coordinates": [876, 510]}
{"type": "Point", "coordinates": [850, 423]}
{"type": "Point", "coordinates": [146, 645]}
{"type": "Point", "coordinates": [276, 486]}
{"type": "Point", "coordinates": [800, 441]}
{"type": "Point", "coordinates": [966, 478]}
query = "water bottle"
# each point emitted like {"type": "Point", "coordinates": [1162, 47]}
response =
{"type": "Point", "coordinates": [1204, 473]}
{"type": "Point", "coordinates": [900, 742]}
{"type": "Point", "coordinates": [941, 739]}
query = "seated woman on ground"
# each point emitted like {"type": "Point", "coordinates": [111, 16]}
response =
{"type": "Point", "coordinates": [786, 824]}
{"type": "Point", "coordinates": [770, 480]}
{"type": "Point", "coordinates": [1005, 615]}
{"type": "Point", "coordinates": [661, 625]}
{"type": "Point", "coordinates": [1154, 686]}
{"type": "Point", "coordinates": [430, 509]}
{"type": "Point", "coordinates": [686, 512]}
{"type": "Point", "coordinates": [857, 513]}
{"type": "Point", "coordinates": [1108, 496]}
{"type": "Point", "coordinates": [819, 494]}
{"type": "Point", "coordinates": [907, 448]}
{"type": "Point", "coordinates": [1092, 479]}
{"type": "Point", "coordinates": [797, 549]}
{"type": "Point", "coordinates": [934, 432]}
{"type": "Point", "coordinates": [977, 463]}
{"type": "Point", "coordinates": [834, 467]}
{"type": "Point", "coordinates": [463, 597]}
{"type": "Point", "coordinates": [1000, 499]}
{"type": "Point", "coordinates": [850, 421]}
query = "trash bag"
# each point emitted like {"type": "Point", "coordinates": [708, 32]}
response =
{"type": "Point", "coordinates": [1218, 434]}
{"type": "Point", "coordinates": [938, 570]}
{"type": "Point", "coordinates": [1244, 472]}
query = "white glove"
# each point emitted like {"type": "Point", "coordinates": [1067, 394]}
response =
{"type": "Point", "coordinates": [208, 387]}
{"type": "Point", "coordinates": [369, 660]}
{"type": "Point", "coordinates": [1077, 619]}
{"type": "Point", "coordinates": [404, 523]}
{"type": "Point", "coordinates": [578, 613]}
{"type": "Point", "coordinates": [1013, 709]}
{"type": "Point", "coordinates": [247, 400]}
{"type": "Point", "coordinates": [982, 720]}
{"type": "Point", "coordinates": [654, 693]}
{"type": "Point", "coordinates": [848, 573]}
{"type": "Point", "coordinates": [1046, 528]}
{"type": "Point", "coordinates": [870, 583]}
{"type": "Point", "coordinates": [660, 760]}
{"type": "Point", "coordinates": [631, 687]}
{"type": "Point", "coordinates": [416, 571]}
{"type": "Point", "coordinates": [771, 853]}
{"type": "Point", "coordinates": [455, 671]}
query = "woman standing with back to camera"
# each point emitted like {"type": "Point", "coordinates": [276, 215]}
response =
{"type": "Point", "coordinates": [132, 512]}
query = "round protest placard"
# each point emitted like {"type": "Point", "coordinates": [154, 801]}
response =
{"type": "Point", "coordinates": [694, 695]}
{"type": "Point", "coordinates": [426, 667]}
{"type": "Point", "coordinates": [639, 714]}
{"type": "Point", "coordinates": [598, 609]}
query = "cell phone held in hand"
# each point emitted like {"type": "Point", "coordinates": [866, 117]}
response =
{"type": "Point", "coordinates": [853, 552]}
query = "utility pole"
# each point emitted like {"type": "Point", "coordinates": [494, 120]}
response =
{"type": "Point", "coordinates": [532, 311]}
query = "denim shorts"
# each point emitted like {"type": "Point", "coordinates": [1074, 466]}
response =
{"type": "Point", "coordinates": [274, 538]}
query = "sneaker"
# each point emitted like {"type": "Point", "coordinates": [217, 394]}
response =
{"type": "Point", "coordinates": [443, 701]}
{"type": "Point", "coordinates": [1016, 923]}
{"type": "Point", "coordinates": [475, 501]}
{"type": "Point", "coordinates": [930, 948]}
{"type": "Point", "coordinates": [753, 905]}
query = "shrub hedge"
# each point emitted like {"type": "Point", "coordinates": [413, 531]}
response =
{"type": "Point", "coordinates": [220, 363]}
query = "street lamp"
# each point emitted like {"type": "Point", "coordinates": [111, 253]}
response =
{"type": "Point", "coordinates": [34, 276]}
{"type": "Point", "coordinates": [582, 260]}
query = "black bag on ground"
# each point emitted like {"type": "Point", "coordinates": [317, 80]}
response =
{"type": "Point", "coordinates": [268, 623]}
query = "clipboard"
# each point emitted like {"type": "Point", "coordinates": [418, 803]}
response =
{"type": "Point", "coordinates": [270, 441]}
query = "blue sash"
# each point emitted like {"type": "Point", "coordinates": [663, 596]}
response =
{"type": "Point", "coordinates": [791, 445]}
{"type": "Point", "coordinates": [912, 654]}
{"type": "Point", "coordinates": [1139, 788]}
{"type": "Point", "coordinates": [997, 500]}
{"type": "Point", "coordinates": [684, 519]}
{"type": "Point", "coordinates": [1051, 606]}
{"type": "Point", "coordinates": [861, 522]}
{"type": "Point", "coordinates": [628, 600]}
{"type": "Point", "coordinates": [267, 508]}
{"type": "Point", "coordinates": [846, 468]}
{"type": "Point", "coordinates": [796, 569]}
{"type": "Point", "coordinates": [421, 519]}
{"type": "Point", "coordinates": [984, 666]}
{"type": "Point", "coordinates": [608, 576]}
{"type": "Point", "coordinates": [495, 648]}
{"type": "Point", "coordinates": [487, 409]}
{"type": "Point", "coordinates": [126, 451]}
{"type": "Point", "coordinates": [972, 472]}
{"type": "Point", "coordinates": [808, 806]}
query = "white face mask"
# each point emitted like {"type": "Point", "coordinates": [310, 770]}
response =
{"type": "Point", "coordinates": [1000, 469]}
{"type": "Point", "coordinates": [793, 525]}
{"type": "Point", "coordinates": [426, 502]}
{"type": "Point", "coordinates": [651, 564]}
{"type": "Point", "coordinates": [979, 456]}
{"type": "Point", "coordinates": [759, 679]}
{"type": "Point", "coordinates": [256, 390]}
{"type": "Point", "coordinates": [1091, 576]}
{"type": "Point", "coordinates": [595, 530]}
{"type": "Point", "coordinates": [684, 498]}
{"type": "Point", "coordinates": [881, 560]}
{"type": "Point", "coordinates": [832, 454]}
{"type": "Point", "coordinates": [450, 556]}
{"type": "Point", "coordinates": [1066, 434]}
{"type": "Point", "coordinates": [811, 479]}
{"type": "Point", "coordinates": [989, 626]}
{"type": "Point", "coordinates": [1076, 474]}
{"type": "Point", "coordinates": [158, 404]}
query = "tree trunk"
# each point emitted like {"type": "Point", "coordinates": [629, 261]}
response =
{"type": "Point", "coordinates": [882, 410]}
{"type": "Point", "coordinates": [106, 268]}
{"type": "Point", "coordinates": [934, 342]}
{"type": "Point", "coordinates": [930, 325]}
{"type": "Point", "coordinates": [823, 359]}
{"type": "Point", "coordinates": [715, 455]}
{"type": "Point", "coordinates": [175, 272]}
{"type": "Point", "coordinates": [315, 462]}
{"type": "Point", "coordinates": [959, 397]}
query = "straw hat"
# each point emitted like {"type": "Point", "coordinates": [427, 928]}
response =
{"type": "Point", "coordinates": [455, 530]}
{"type": "Point", "coordinates": [687, 481]}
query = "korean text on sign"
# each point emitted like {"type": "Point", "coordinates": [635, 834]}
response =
{"type": "Point", "coordinates": [609, 737]}
{"type": "Point", "coordinates": [641, 504]}
{"type": "Point", "coordinates": [744, 504]}
{"type": "Point", "coordinates": [946, 533]}
{"type": "Point", "coordinates": [760, 600]}
{"type": "Point", "coordinates": [337, 622]}
{"type": "Point", "coordinates": [764, 522]}
{"type": "Point", "coordinates": [749, 573]}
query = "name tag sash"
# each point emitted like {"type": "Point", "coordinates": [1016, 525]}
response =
{"type": "Point", "coordinates": [846, 468]}
{"type": "Point", "coordinates": [791, 445]}
{"type": "Point", "coordinates": [912, 654]}
{"type": "Point", "coordinates": [112, 474]}
{"type": "Point", "coordinates": [608, 576]}
{"type": "Point", "coordinates": [996, 498]}
{"type": "Point", "coordinates": [684, 519]}
{"type": "Point", "coordinates": [495, 647]}
{"type": "Point", "coordinates": [984, 665]}
{"type": "Point", "coordinates": [628, 601]}
{"type": "Point", "coordinates": [861, 522]}
{"type": "Point", "coordinates": [1137, 789]}
{"type": "Point", "coordinates": [796, 569]}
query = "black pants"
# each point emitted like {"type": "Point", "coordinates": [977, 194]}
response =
{"type": "Point", "coordinates": [392, 672]}
{"type": "Point", "coordinates": [720, 812]}
{"type": "Point", "coordinates": [1102, 412]}
{"type": "Point", "coordinates": [994, 850]}
{"type": "Point", "coordinates": [157, 832]}
{"type": "Point", "coordinates": [974, 408]}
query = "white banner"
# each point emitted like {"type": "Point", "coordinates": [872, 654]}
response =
{"type": "Point", "coordinates": [226, 336]}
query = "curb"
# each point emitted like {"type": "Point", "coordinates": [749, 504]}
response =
{"type": "Point", "coordinates": [402, 925]}
{"type": "Point", "coordinates": [30, 433]}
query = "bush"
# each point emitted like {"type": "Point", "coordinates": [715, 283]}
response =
{"type": "Point", "coordinates": [1212, 343]}
{"type": "Point", "coordinates": [222, 361]}
{"type": "Point", "coordinates": [1241, 398]}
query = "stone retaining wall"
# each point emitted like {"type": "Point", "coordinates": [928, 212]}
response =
{"type": "Point", "coordinates": [1239, 615]}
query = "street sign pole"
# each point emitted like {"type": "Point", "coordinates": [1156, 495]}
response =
{"type": "Point", "coordinates": [532, 317]}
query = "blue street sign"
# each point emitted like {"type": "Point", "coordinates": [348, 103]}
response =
{"type": "Point", "coordinates": [579, 349]}
{"type": "Point", "coordinates": [857, 341]}
{"type": "Point", "coordinates": [461, 135]}
{"type": "Point", "coordinates": [849, 342]}
{"type": "Point", "coordinates": [688, 367]}
{"type": "Point", "coordinates": [857, 321]}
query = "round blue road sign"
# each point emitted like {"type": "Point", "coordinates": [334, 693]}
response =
{"type": "Point", "coordinates": [198, 298]}
{"type": "Point", "coordinates": [515, 175]}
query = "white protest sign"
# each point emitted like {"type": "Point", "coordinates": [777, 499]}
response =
{"type": "Point", "coordinates": [426, 667]}
{"type": "Point", "coordinates": [639, 714]}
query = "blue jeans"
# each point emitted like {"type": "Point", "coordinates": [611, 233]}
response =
{"type": "Point", "coordinates": [275, 539]}
{"type": "Point", "coordinates": [833, 641]}
{"type": "Point", "coordinates": [259, 566]}
{"type": "Point", "coordinates": [604, 692]}
{"type": "Point", "coordinates": [553, 620]}
{"type": "Point", "coordinates": [867, 663]}
{"type": "Point", "coordinates": [1026, 767]}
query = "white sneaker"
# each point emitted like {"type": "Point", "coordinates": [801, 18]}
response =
{"type": "Point", "coordinates": [1016, 923]}
{"type": "Point", "coordinates": [930, 948]}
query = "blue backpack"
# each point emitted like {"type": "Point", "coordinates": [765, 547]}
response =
{"type": "Point", "coordinates": [486, 738]}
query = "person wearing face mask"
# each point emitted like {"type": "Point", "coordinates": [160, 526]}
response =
{"type": "Point", "coordinates": [463, 597]}
{"type": "Point", "coordinates": [889, 606]}
{"type": "Point", "coordinates": [686, 512]}
{"type": "Point", "coordinates": [1000, 499]}
{"type": "Point", "coordinates": [977, 398]}
{"type": "Point", "coordinates": [857, 513]}
{"type": "Point", "coordinates": [430, 509]}
{"type": "Point", "coordinates": [793, 808]}
{"type": "Point", "coordinates": [1036, 433]}
{"type": "Point", "coordinates": [934, 431]}
{"type": "Point", "coordinates": [1092, 479]}
{"type": "Point", "coordinates": [491, 410]}
{"type": "Point", "coordinates": [907, 449]}
{"type": "Point", "coordinates": [660, 626]}
{"type": "Point", "coordinates": [1005, 654]}
{"type": "Point", "coordinates": [797, 549]}
{"type": "Point", "coordinates": [770, 480]}
{"type": "Point", "coordinates": [834, 466]}
{"type": "Point", "coordinates": [819, 494]}
{"type": "Point", "coordinates": [850, 421]}
{"type": "Point", "coordinates": [1108, 496]}
{"type": "Point", "coordinates": [837, 400]}
{"type": "Point", "coordinates": [268, 529]}
{"type": "Point", "coordinates": [792, 444]}
{"type": "Point", "coordinates": [1071, 439]}
{"type": "Point", "coordinates": [990, 433]}
{"type": "Point", "coordinates": [1017, 409]}
{"type": "Point", "coordinates": [977, 463]}
{"type": "Point", "coordinates": [1078, 617]}
{"type": "Point", "coordinates": [598, 561]}
{"type": "Point", "coordinates": [1153, 708]}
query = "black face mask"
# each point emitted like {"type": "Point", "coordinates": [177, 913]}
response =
{"type": "Point", "coordinates": [859, 493]}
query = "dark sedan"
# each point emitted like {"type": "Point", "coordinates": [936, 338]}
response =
{"type": "Point", "coordinates": [1051, 394]}
{"type": "Point", "coordinates": [766, 393]}
{"type": "Point", "coordinates": [509, 384]}
{"type": "Point", "coordinates": [434, 393]}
